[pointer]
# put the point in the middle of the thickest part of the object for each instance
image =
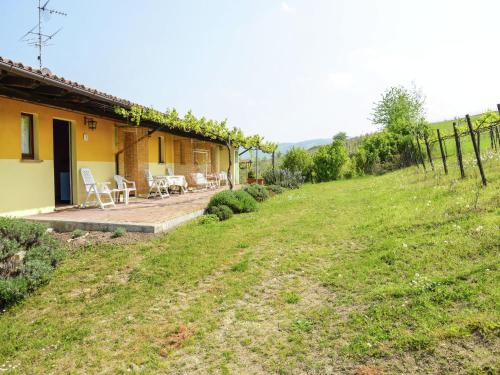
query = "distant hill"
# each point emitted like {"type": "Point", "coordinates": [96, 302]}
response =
{"type": "Point", "coordinates": [284, 147]}
{"type": "Point", "coordinates": [352, 144]}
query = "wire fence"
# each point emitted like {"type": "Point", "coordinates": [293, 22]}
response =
{"type": "Point", "coordinates": [481, 140]}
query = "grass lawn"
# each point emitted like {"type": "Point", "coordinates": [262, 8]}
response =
{"type": "Point", "coordinates": [394, 274]}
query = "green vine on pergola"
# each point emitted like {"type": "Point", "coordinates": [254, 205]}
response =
{"type": "Point", "coordinates": [211, 129]}
{"type": "Point", "coordinates": [216, 130]}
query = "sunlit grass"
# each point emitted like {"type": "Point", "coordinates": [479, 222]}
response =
{"type": "Point", "coordinates": [399, 272]}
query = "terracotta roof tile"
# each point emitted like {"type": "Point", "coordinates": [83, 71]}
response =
{"type": "Point", "coordinates": [62, 80]}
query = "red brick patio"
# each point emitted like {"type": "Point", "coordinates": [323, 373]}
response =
{"type": "Point", "coordinates": [140, 215]}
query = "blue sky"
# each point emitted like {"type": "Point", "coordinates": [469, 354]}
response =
{"type": "Point", "coordinates": [288, 70]}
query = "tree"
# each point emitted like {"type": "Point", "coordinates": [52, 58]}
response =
{"type": "Point", "coordinates": [378, 151]}
{"type": "Point", "coordinates": [341, 136]}
{"type": "Point", "coordinates": [329, 160]}
{"type": "Point", "coordinates": [401, 111]}
{"type": "Point", "coordinates": [298, 160]}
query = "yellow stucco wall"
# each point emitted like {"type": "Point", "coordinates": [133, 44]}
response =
{"type": "Point", "coordinates": [155, 167]}
{"type": "Point", "coordinates": [224, 160]}
{"type": "Point", "coordinates": [160, 169]}
{"type": "Point", "coordinates": [28, 186]}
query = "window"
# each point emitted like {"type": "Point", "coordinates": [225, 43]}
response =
{"type": "Point", "coordinates": [27, 145]}
{"type": "Point", "coordinates": [161, 150]}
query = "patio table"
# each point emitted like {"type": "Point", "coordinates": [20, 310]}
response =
{"type": "Point", "coordinates": [176, 181]}
{"type": "Point", "coordinates": [213, 179]}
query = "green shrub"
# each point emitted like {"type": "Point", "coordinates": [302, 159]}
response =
{"type": "Point", "coordinates": [348, 170]}
{"type": "Point", "coordinates": [28, 255]}
{"type": "Point", "coordinates": [275, 189]}
{"type": "Point", "coordinates": [223, 212]}
{"type": "Point", "coordinates": [37, 272]}
{"type": "Point", "coordinates": [226, 198]}
{"type": "Point", "coordinates": [238, 201]}
{"type": "Point", "coordinates": [283, 178]}
{"type": "Point", "coordinates": [23, 233]}
{"type": "Point", "coordinates": [209, 219]}
{"type": "Point", "coordinates": [77, 233]}
{"type": "Point", "coordinates": [329, 161]}
{"type": "Point", "coordinates": [381, 152]}
{"type": "Point", "coordinates": [259, 192]}
{"type": "Point", "coordinates": [248, 203]}
{"type": "Point", "coordinates": [119, 232]}
{"type": "Point", "coordinates": [12, 290]}
{"type": "Point", "coordinates": [298, 160]}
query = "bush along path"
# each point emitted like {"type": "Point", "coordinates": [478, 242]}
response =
{"type": "Point", "coordinates": [223, 205]}
{"type": "Point", "coordinates": [389, 274]}
{"type": "Point", "coordinates": [28, 255]}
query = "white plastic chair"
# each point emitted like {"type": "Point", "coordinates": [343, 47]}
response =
{"type": "Point", "coordinates": [98, 189]}
{"type": "Point", "coordinates": [157, 186]}
{"type": "Point", "coordinates": [222, 178]}
{"type": "Point", "coordinates": [199, 181]}
{"type": "Point", "coordinates": [125, 186]}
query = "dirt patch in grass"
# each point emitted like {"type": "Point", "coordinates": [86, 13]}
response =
{"type": "Point", "coordinates": [175, 340]}
{"type": "Point", "coordinates": [365, 370]}
{"type": "Point", "coordinates": [96, 238]}
{"type": "Point", "coordinates": [262, 319]}
{"type": "Point", "coordinates": [460, 356]}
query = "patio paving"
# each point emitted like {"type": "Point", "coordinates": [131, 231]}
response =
{"type": "Point", "coordinates": [140, 215]}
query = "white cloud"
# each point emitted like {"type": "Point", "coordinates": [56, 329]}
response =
{"type": "Point", "coordinates": [340, 80]}
{"type": "Point", "coordinates": [287, 8]}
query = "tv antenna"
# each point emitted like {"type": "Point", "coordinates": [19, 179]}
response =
{"type": "Point", "coordinates": [35, 37]}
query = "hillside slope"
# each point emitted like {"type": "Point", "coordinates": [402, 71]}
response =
{"type": "Point", "coordinates": [391, 274]}
{"type": "Point", "coordinates": [447, 125]}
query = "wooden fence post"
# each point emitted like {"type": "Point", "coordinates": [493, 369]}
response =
{"type": "Point", "coordinates": [413, 153]}
{"type": "Point", "coordinates": [429, 154]}
{"type": "Point", "coordinates": [256, 163]}
{"type": "Point", "coordinates": [420, 154]}
{"type": "Point", "coordinates": [492, 139]}
{"type": "Point", "coordinates": [458, 146]}
{"type": "Point", "coordinates": [495, 139]}
{"type": "Point", "coordinates": [497, 126]}
{"type": "Point", "coordinates": [443, 155]}
{"type": "Point", "coordinates": [274, 160]}
{"type": "Point", "coordinates": [476, 150]}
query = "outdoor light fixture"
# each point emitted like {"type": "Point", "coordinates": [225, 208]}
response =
{"type": "Point", "coordinates": [90, 122]}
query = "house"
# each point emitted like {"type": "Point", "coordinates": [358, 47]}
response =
{"type": "Point", "coordinates": [50, 127]}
